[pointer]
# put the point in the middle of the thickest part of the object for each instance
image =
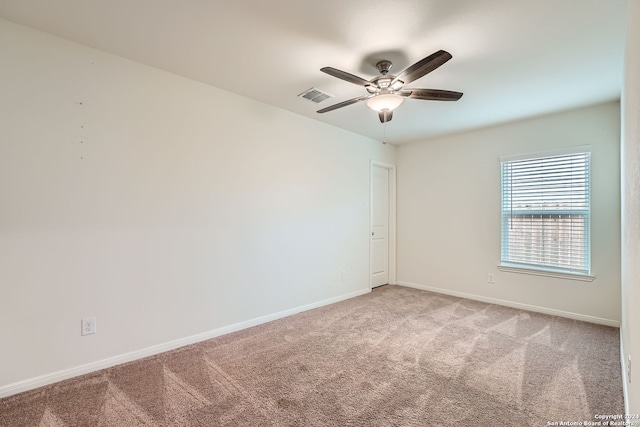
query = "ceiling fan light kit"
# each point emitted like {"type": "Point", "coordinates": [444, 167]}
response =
{"type": "Point", "coordinates": [386, 92]}
{"type": "Point", "coordinates": [384, 101]}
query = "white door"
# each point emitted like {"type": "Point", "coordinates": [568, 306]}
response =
{"type": "Point", "coordinates": [379, 226]}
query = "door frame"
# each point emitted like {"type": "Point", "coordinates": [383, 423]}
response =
{"type": "Point", "coordinates": [392, 218]}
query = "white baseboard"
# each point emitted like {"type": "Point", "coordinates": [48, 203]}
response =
{"type": "Point", "coordinates": [545, 310]}
{"type": "Point", "coordinates": [54, 377]}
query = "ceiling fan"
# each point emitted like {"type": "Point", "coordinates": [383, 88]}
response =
{"type": "Point", "coordinates": [386, 92]}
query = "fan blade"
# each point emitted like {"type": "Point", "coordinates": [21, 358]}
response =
{"type": "Point", "coordinates": [343, 104]}
{"type": "Point", "coordinates": [385, 116]}
{"type": "Point", "coordinates": [346, 76]}
{"type": "Point", "coordinates": [431, 94]}
{"type": "Point", "coordinates": [422, 67]}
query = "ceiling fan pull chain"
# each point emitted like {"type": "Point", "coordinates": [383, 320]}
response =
{"type": "Point", "coordinates": [384, 133]}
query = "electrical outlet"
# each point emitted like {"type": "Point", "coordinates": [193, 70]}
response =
{"type": "Point", "coordinates": [88, 326]}
{"type": "Point", "coordinates": [491, 278]}
{"type": "Point", "coordinates": [629, 369]}
{"type": "Point", "coordinates": [343, 276]}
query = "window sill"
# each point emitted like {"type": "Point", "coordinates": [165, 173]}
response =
{"type": "Point", "coordinates": [546, 273]}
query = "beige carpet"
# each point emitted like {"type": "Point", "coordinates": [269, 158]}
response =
{"type": "Point", "coordinates": [395, 357]}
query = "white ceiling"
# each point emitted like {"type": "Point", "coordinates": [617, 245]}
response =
{"type": "Point", "coordinates": [511, 58]}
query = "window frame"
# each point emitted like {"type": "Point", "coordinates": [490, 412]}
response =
{"type": "Point", "coordinates": [539, 269]}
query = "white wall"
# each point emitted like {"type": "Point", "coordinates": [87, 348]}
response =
{"type": "Point", "coordinates": [631, 208]}
{"type": "Point", "coordinates": [449, 213]}
{"type": "Point", "coordinates": [163, 206]}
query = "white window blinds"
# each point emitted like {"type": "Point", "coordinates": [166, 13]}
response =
{"type": "Point", "coordinates": [545, 213]}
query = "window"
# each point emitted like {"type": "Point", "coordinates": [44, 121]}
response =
{"type": "Point", "coordinates": [545, 213]}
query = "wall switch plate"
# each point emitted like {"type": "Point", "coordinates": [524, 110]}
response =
{"type": "Point", "coordinates": [88, 326]}
{"type": "Point", "coordinates": [491, 278]}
